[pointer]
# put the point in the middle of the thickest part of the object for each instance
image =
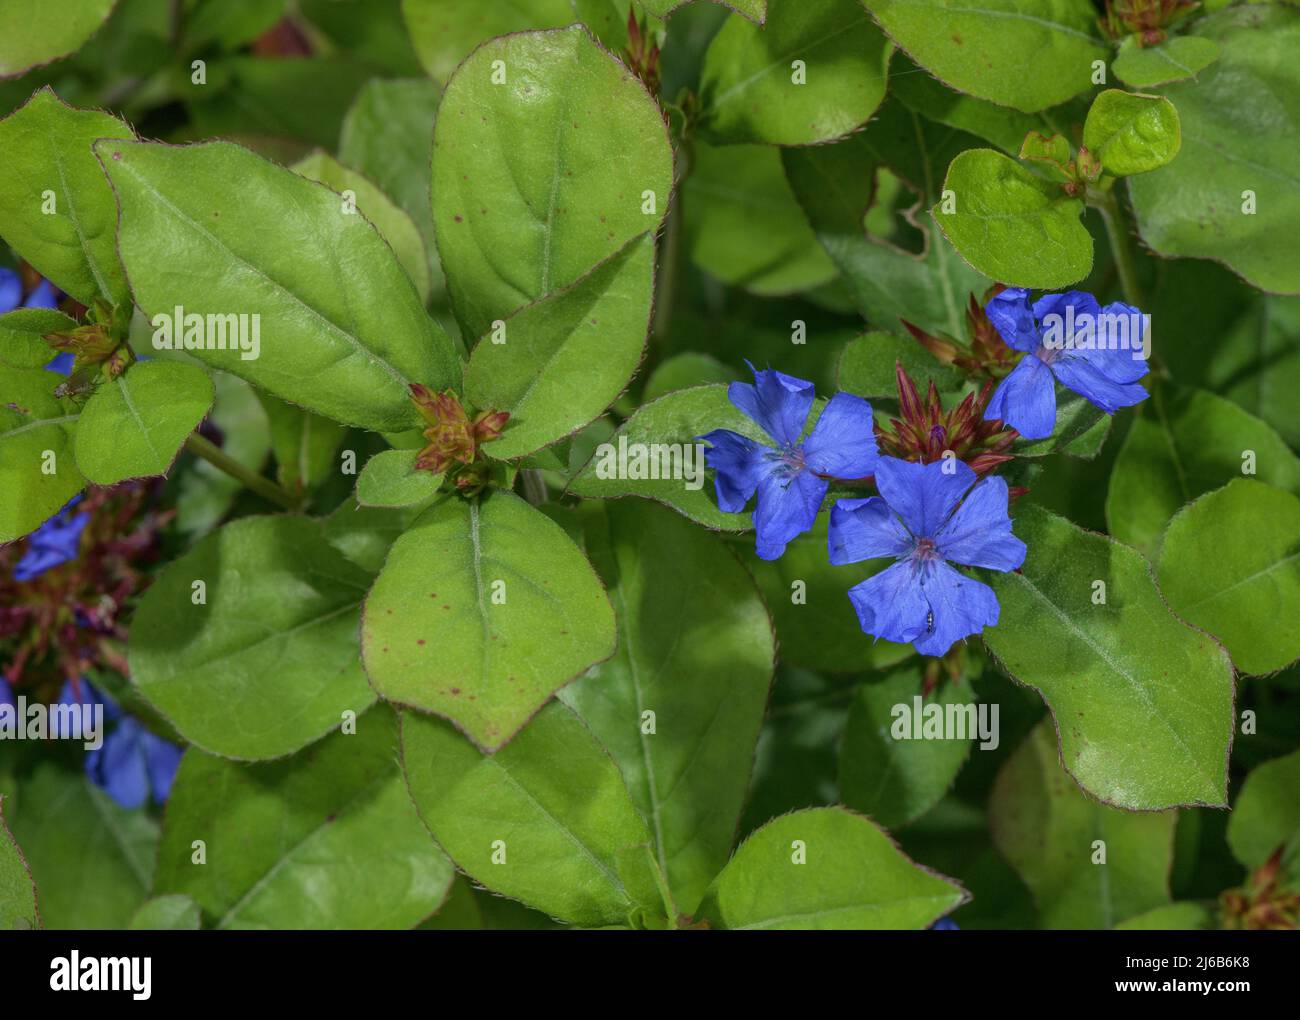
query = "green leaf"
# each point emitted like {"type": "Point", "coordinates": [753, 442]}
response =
{"type": "Point", "coordinates": [1198, 205]}
{"type": "Point", "coordinates": [836, 185]}
{"type": "Point", "coordinates": [1142, 702]}
{"type": "Point", "coordinates": [392, 223]}
{"type": "Point", "coordinates": [558, 363]}
{"type": "Point", "coordinates": [1230, 564]}
{"type": "Point", "coordinates": [866, 366]}
{"type": "Point", "coordinates": [277, 100]}
{"type": "Point", "coordinates": [541, 178]}
{"type": "Point", "coordinates": [304, 444]}
{"type": "Point", "coordinates": [672, 422]}
{"type": "Point", "coordinates": [681, 371]}
{"type": "Point", "coordinates": [268, 663]}
{"type": "Point", "coordinates": [751, 89]}
{"type": "Point", "coordinates": [1027, 54]}
{"type": "Point", "coordinates": [1172, 917]}
{"type": "Point", "coordinates": [444, 33]}
{"type": "Point", "coordinates": [33, 32]}
{"type": "Point", "coordinates": [342, 329]}
{"type": "Point", "coordinates": [1049, 831]}
{"type": "Point", "coordinates": [167, 913]}
{"type": "Point", "coordinates": [1239, 343]}
{"type": "Point", "coordinates": [391, 479]}
{"type": "Point", "coordinates": [50, 166]}
{"type": "Point", "coordinates": [17, 890]}
{"type": "Point", "coordinates": [851, 876]}
{"type": "Point", "coordinates": [816, 625]}
{"type": "Point", "coordinates": [21, 330]}
{"type": "Point", "coordinates": [134, 426]}
{"type": "Point", "coordinates": [335, 820]}
{"type": "Point", "coordinates": [541, 821]}
{"type": "Point", "coordinates": [1132, 134]}
{"type": "Point", "coordinates": [744, 226]}
{"type": "Point", "coordinates": [91, 860]}
{"type": "Point", "coordinates": [1183, 443]}
{"type": "Point", "coordinates": [885, 771]}
{"type": "Point", "coordinates": [35, 438]}
{"type": "Point", "coordinates": [1183, 56]}
{"type": "Point", "coordinates": [388, 136]}
{"type": "Point", "coordinates": [1003, 127]}
{"type": "Point", "coordinates": [1267, 813]}
{"type": "Point", "coordinates": [680, 704]}
{"type": "Point", "coordinates": [1013, 226]}
{"type": "Point", "coordinates": [365, 534]}
{"type": "Point", "coordinates": [754, 10]}
{"type": "Point", "coordinates": [482, 611]}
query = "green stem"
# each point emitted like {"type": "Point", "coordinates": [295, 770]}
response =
{"type": "Point", "coordinates": [1120, 246]}
{"type": "Point", "coordinates": [534, 486]}
{"type": "Point", "coordinates": [218, 458]}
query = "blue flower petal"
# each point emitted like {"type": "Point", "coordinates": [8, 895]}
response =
{"type": "Point", "coordinates": [56, 541]}
{"type": "Point", "coordinates": [1084, 377]}
{"type": "Point", "coordinates": [119, 767]}
{"type": "Point", "coordinates": [843, 442]}
{"type": "Point", "coordinates": [864, 529]}
{"type": "Point", "coordinates": [1080, 301]}
{"type": "Point", "coordinates": [44, 296]}
{"type": "Point", "coordinates": [779, 403]}
{"type": "Point", "coordinates": [1026, 400]}
{"type": "Point", "coordinates": [1121, 339]}
{"type": "Point", "coordinates": [162, 759]}
{"type": "Point", "coordinates": [7, 693]}
{"type": "Point", "coordinates": [739, 463]}
{"type": "Point", "coordinates": [923, 495]}
{"type": "Point", "coordinates": [979, 533]}
{"type": "Point", "coordinates": [1011, 317]}
{"type": "Point", "coordinates": [961, 606]}
{"type": "Point", "coordinates": [787, 507]}
{"type": "Point", "coordinates": [11, 290]}
{"type": "Point", "coordinates": [61, 363]}
{"type": "Point", "coordinates": [891, 605]}
{"type": "Point", "coordinates": [945, 924]}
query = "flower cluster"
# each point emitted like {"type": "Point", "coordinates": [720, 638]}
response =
{"type": "Point", "coordinates": [62, 593]}
{"type": "Point", "coordinates": [939, 506]}
{"type": "Point", "coordinates": [453, 438]}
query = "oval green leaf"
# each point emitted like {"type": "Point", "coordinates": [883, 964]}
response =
{"type": "Point", "coordinates": [134, 426]}
{"type": "Point", "coordinates": [1011, 225]}
{"type": "Point", "coordinates": [549, 157]}
{"type": "Point", "coordinates": [268, 662]}
{"type": "Point", "coordinates": [341, 328]}
{"type": "Point", "coordinates": [826, 868]}
{"type": "Point", "coordinates": [1142, 702]}
{"type": "Point", "coordinates": [482, 611]}
{"type": "Point", "coordinates": [1131, 134]}
{"type": "Point", "coordinates": [1230, 564]}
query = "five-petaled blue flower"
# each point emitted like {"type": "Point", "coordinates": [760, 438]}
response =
{"type": "Point", "coordinates": [11, 293]}
{"type": "Point", "coordinates": [54, 542]}
{"type": "Point", "coordinates": [1099, 353]}
{"type": "Point", "coordinates": [791, 477]}
{"type": "Point", "coordinates": [132, 762]}
{"type": "Point", "coordinates": [930, 515]}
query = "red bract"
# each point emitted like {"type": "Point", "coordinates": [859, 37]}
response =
{"type": "Point", "coordinates": [66, 622]}
{"type": "Point", "coordinates": [925, 432]}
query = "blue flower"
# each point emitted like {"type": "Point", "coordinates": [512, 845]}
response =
{"type": "Point", "coordinates": [132, 762]}
{"type": "Point", "coordinates": [54, 542]}
{"type": "Point", "coordinates": [945, 924]}
{"type": "Point", "coordinates": [7, 693]}
{"type": "Point", "coordinates": [790, 477]}
{"type": "Point", "coordinates": [11, 293]}
{"type": "Point", "coordinates": [926, 515]}
{"type": "Point", "coordinates": [1091, 350]}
